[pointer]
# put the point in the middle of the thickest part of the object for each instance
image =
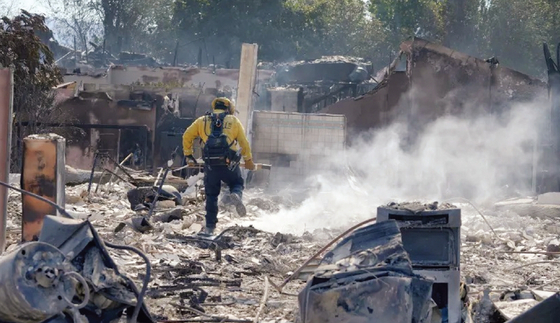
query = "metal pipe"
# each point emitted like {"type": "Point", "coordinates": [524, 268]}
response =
{"type": "Point", "coordinates": [119, 177]}
{"type": "Point", "coordinates": [6, 109]}
{"type": "Point", "coordinates": [119, 145]}
{"type": "Point", "coordinates": [158, 192]}
{"type": "Point", "coordinates": [99, 182]}
{"type": "Point", "coordinates": [121, 168]}
{"type": "Point", "coordinates": [92, 171]}
{"type": "Point", "coordinates": [157, 177]}
{"type": "Point", "coordinates": [122, 163]}
{"type": "Point", "coordinates": [145, 151]}
{"type": "Point", "coordinates": [60, 209]}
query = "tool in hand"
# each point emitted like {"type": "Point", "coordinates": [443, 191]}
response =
{"type": "Point", "coordinates": [159, 187]}
{"type": "Point", "coordinates": [201, 165]}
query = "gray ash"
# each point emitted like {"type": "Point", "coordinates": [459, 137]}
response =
{"type": "Point", "coordinates": [419, 207]}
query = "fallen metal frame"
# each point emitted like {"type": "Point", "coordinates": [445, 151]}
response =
{"type": "Point", "coordinates": [146, 131]}
{"type": "Point", "coordinates": [108, 156]}
{"type": "Point", "coordinates": [106, 170]}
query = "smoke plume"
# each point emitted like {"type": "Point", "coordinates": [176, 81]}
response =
{"type": "Point", "coordinates": [483, 158]}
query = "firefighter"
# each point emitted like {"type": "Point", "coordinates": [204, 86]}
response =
{"type": "Point", "coordinates": [222, 133]}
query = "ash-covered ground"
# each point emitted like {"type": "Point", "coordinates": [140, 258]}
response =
{"type": "Point", "coordinates": [186, 274]}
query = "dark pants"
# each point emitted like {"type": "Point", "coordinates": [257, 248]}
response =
{"type": "Point", "coordinates": [213, 178]}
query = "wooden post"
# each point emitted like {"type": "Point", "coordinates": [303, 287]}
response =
{"type": "Point", "coordinates": [43, 173]}
{"type": "Point", "coordinates": [246, 83]}
{"type": "Point", "coordinates": [6, 109]}
{"type": "Point", "coordinates": [175, 55]}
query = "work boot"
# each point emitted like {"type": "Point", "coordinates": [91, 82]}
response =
{"type": "Point", "coordinates": [225, 202]}
{"type": "Point", "coordinates": [239, 207]}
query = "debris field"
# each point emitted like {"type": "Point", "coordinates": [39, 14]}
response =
{"type": "Point", "coordinates": [194, 279]}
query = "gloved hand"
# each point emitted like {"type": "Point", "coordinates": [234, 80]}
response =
{"type": "Point", "coordinates": [190, 159]}
{"type": "Point", "coordinates": [250, 165]}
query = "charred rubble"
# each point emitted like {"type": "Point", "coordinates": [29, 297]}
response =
{"type": "Point", "coordinates": [367, 277]}
{"type": "Point", "coordinates": [422, 262]}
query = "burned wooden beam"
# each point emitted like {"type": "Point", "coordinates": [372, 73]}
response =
{"type": "Point", "coordinates": [43, 173]}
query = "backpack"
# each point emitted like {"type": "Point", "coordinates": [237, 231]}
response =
{"type": "Point", "coordinates": [216, 151]}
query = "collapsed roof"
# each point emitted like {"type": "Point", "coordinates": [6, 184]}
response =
{"type": "Point", "coordinates": [439, 81]}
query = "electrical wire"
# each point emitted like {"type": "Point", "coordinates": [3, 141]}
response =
{"type": "Point", "coordinates": [40, 198]}
{"type": "Point", "coordinates": [140, 297]}
{"type": "Point", "coordinates": [342, 235]}
{"type": "Point", "coordinates": [477, 210]}
{"type": "Point", "coordinates": [84, 284]}
{"type": "Point", "coordinates": [145, 281]}
{"type": "Point", "coordinates": [534, 263]}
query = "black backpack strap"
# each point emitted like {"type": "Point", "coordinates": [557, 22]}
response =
{"type": "Point", "coordinates": [217, 128]}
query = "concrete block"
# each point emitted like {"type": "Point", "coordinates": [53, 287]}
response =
{"type": "Point", "coordinates": [549, 198]}
{"type": "Point", "coordinates": [43, 173]}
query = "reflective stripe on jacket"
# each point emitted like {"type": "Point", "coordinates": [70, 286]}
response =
{"type": "Point", "coordinates": [233, 129]}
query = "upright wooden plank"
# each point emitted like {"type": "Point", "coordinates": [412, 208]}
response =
{"type": "Point", "coordinates": [6, 109]}
{"type": "Point", "coordinates": [246, 83]}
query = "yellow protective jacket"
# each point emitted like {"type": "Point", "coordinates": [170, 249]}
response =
{"type": "Point", "coordinates": [233, 129]}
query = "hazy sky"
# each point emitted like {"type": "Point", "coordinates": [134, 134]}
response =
{"type": "Point", "coordinates": [37, 6]}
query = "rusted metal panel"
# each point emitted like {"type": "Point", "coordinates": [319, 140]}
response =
{"type": "Point", "coordinates": [43, 173]}
{"type": "Point", "coordinates": [6, 100]}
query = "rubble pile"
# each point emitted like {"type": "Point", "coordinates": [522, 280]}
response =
{"type": "Point", "coordinates": [192, 276]}
{"type": "Point", "coordinates": [510, 260]}
{"type": "Point", "coordinates": [371, 261]}
{"type": "Point", "coordinates": [506, 256]}
{"type": "Point", "coordinates": [416, 207]}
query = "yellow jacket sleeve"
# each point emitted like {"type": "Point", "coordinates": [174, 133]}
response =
{"type": "Point", "coordinates": [242, 140]}
{"type": "Point", "coordinates": [190, 135]}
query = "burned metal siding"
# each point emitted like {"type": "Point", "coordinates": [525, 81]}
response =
{"type": "Point", "coordinates": [454, 82]}
{"type": "Point", "coordinates": [100, 111]}
{"type": "Point", "coordinates": [373, 109]}
{"type": "Point", "coordinates": [100, 124]}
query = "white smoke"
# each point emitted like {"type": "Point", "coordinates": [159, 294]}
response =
{"type": "Point", "coordinates": [484, 158]}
